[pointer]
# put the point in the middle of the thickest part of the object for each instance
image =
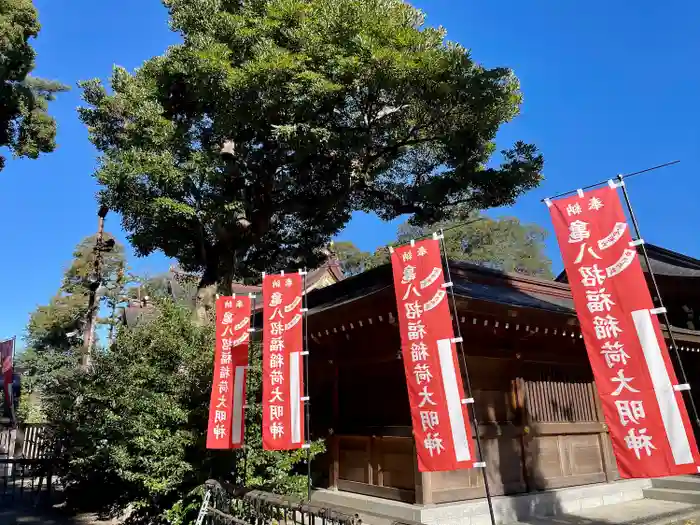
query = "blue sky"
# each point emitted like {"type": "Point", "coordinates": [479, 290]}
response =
{"type": "Point", "coordinates": [609, 87]}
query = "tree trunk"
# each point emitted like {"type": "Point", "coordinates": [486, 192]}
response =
{"type": "Point", "coordinates": [205, 300]}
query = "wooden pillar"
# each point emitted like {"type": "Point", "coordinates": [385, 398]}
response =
{"type": "Point", "coordinates": [524, 420]}
{"type": "Point", "coordinates": [424, 494]}
{"type": "Point", "coordinates": [334, 473]}
{"type": "Point", "coordinates": [609, 464]}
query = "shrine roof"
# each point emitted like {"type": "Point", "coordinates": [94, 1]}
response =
{"type": "Point", "coordinates": [663, 262]}
{"type": "Point", "coordinates": [513, 296]}
{"type": "Point", "coordinates": [470, 282]}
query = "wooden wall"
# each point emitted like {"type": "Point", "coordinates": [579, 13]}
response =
{"type": "Point", "coordinates": [540, 422]}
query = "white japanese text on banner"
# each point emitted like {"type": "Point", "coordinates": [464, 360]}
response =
{"type": "Point", "coordinates": [435, 390]}
{"type": "Point", "coordinates": [649, 425]}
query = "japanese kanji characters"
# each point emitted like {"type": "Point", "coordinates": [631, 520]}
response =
{"type": "Point", "coordinates": [574, 209]}
{"type": "Point", "coordinates": [622, 263]}
{"type": "Point", "coordinates": [433, 443]}
{"type": "Point", "coordinates": [599, 300]}
{"type": "Point", "coordinates": [422, 373]}
{"type": "Point", "coordinates": [578, 231]}
{"type": "Point", "coordinates": [426, 398]}
{"type": "Point", "coordinates": [625, 345]}
{"type": "Point", "coordinates": [595, 204]}
{"type": "Point", "coordinates": [583, 250]}
{"type": "Point", "coordinates": [413, 310]}
{"type": "Point", "coordinates": [614, 353]}
{"type": "Point", "coordinates": [639, 442]}
{"type": "Point", "coordinates": [606, 327]}
{"type": "Point", "coordinates": [615, 235]}
{"type": "Point", "coordinates": [419, 352]}
{"type": "Point", "coordinates": [592, 275]}
{"type": "Point", "coordinates": [630, 411]}
{"type": "Point", "coordinates": [232, 320]}
{"type": "Point", "coordinates": [425, 324]}
{"type": "Point", "coordinates": [624, 383]}
{"type": "Point", "coordinates": [429, 419]}
{"type": "Point", "coordinates": [282, 364]}
{"type": "Point", "coordinates": [416, 330]}
{"type": "Point", "coordinates": [277, 430]}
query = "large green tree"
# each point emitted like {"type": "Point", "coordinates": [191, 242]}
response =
{"type": "Point", "coordinates": [25, 126]}
{"type": "Point", "coordinates": [248, 146]}
{"type": "Point", "coordinates": [54, 333]}
{"type": "Point", "coordinates": [503, 244]}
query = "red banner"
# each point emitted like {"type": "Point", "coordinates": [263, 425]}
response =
{"type": "Point", "coordinates": [283, 363]}
{"type": "Point", "coordinates": [226, 412]}
{"type": "Point", "coordinates": [435, 391]}
{"type": "Point", "coordinates": [645, 412]}
{"type": "Point", "coordinates": [7, 352]}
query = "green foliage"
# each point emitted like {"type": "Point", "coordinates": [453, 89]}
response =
{"type": "Point", "coordinates": [30, 411]}
{"type": "Point", "coordinates": [332, 106]}
{"type": "Point", "coordinates": [503, 244]}
{"type": "Point", "coordinates": [25, 126]}
{"type": "Point", "coordinates": [54, 332]}
{"type": "Point", "coordinates": [133, 427]}
{"type": "Point", "coordinates": [273, 471]}
{"type": "Point", "coordinates": [354, 261]}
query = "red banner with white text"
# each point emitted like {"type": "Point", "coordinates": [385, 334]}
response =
{"type": "Point", "coordinates": [643, 407]}
{"type": "Point", "coordinates": [435, 390]}
{"type": "Point", "coordinates": [283, 363]}
{"type": "Point", "coordinates": [228, 395]}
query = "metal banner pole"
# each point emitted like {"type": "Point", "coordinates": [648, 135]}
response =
{"type": "Point", "coordinates": [463, 358]}
{"type": "Point", "coordinates": [633, 174]}
{"type": "Point", "coordinates": [251, 331]}
{"type": "Point", "coordinates": [645, 255]}
{"type": "Point", "coordinates": [306, 398]}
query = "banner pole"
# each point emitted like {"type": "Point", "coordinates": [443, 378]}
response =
{"type": "Point", "coordinates": [645, 255]}
{"type": "Point", "coordinates": [647, 170]}
{"type": "Point", "coordinates": [253, 299]}
{"type": "Point", "coordinates": [307, 398]}
{"type": "Point", "coordinates": [463, 358]}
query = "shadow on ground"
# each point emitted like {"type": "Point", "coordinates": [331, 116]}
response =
{"type": "Point", "coordinates": [36, 516]}
{"type": "Point", "coordinates": [641, 512]}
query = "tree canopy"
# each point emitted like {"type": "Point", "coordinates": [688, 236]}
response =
{"type": "Point", "coordinates": [503, 244]}
{"type": "Point", "coordinates": [248, 146]}
{"type": "Point", "coordinates": [55, 330]}
{"type": "Point", "coordinates": [25, 125]}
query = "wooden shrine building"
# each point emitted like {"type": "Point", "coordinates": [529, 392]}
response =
{"type": "Point", "coordinates": [540, 419]}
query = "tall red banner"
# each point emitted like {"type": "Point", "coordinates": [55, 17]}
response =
{"type": "Point", "coordinates": [435, 390]}
{"type": "Point", "coordinates": [283, 363]}
{"type": "Point", "coordinates": [226, 413]}
{"type": "Point", "coordinates": [7, 353]}
{"type": "Point", "coordinates": [649, 425]}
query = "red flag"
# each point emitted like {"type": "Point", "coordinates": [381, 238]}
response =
{"type": "Point", "coordinates": [226, 413]}
{"type": "Point", "coordinates": [283, 364]}
{"type": "Point", "coordinates": [7, 352]}
{"type": "Point", "coordinates": [649, 425]}
{"type": "Point", "coordinates": [435, 391]}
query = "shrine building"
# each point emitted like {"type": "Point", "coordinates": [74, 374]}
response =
{"type": "Point", "coordinates": [546, 445]}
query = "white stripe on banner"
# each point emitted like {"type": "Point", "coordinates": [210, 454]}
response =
{"type": "Point", "coordinates": [665, 395]}
{"type": "Point", "coordinates": [238, 389]}
{"type": "Point", "coordinates": [454, 401]}
{"type": "Point", "coordinates": [295, 395]}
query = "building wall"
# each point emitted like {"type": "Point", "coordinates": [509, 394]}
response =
{"type": "Point", "coordinates": [539, 419]}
